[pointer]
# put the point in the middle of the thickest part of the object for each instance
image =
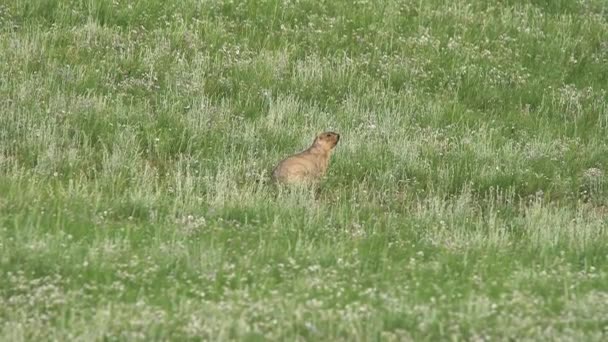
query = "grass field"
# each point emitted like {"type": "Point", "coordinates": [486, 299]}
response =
{"type": "Point", "coordinates": [467, 199]}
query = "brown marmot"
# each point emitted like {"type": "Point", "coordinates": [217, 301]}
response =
{"type": "Point", "coordinates": [307, 166]}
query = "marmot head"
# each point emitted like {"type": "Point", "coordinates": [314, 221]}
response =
{"type": "Point", "coordinates": [327, 140]}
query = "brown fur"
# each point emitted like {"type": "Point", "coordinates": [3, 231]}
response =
{"type": "Point", "coordinates": [309, 165]}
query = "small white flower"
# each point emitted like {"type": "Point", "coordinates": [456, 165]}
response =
{"type": "Point", "coordinates": [593, 173]}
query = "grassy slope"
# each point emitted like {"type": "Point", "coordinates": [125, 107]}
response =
{"type": "Point", "coordinates": [466, 199]}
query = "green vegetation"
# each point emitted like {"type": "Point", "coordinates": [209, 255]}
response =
{"type": "Point", "coordinates": [466, 200]}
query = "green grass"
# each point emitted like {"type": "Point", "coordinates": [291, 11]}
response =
{"type": "Point", "coordinates": [465, 201]}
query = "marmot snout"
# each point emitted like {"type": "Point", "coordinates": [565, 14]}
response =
{"type": "Point", "coordinates": [309, 165]}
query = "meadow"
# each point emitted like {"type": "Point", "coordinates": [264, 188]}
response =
{"type": "Point", "coordinates": [466, 200]}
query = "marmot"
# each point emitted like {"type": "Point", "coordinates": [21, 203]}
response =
{"type": "Point", "coordinates": [307, 166]}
